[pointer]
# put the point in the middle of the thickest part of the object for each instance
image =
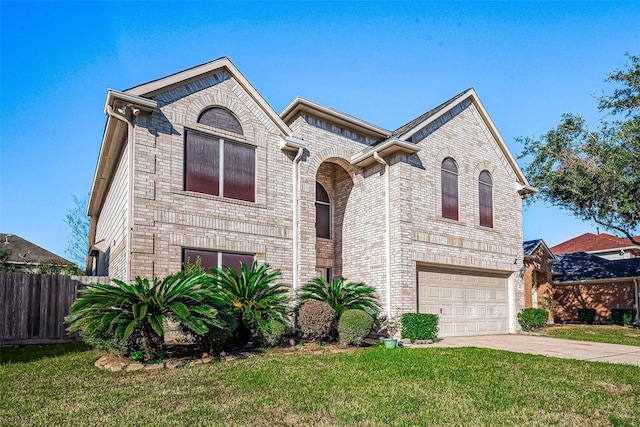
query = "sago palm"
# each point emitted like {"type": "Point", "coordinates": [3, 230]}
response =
{"type": "Point", "coordinates": [253, 296]}
{"type": "Point", "coordinates": [119, 308]}
{"type": "Point", "coordinates": [342, 295]}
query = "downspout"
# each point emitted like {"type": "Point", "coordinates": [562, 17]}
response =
{"type": "Point", "coordinates": [387, 236]}
{"type": "Point", "coordinates": [296, 161]}
{"type": "Point", "coordinates": [635, 285]}
{"type": "Point", "coordinates": [110, 113]}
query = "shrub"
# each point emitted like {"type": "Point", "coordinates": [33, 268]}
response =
{"type": "Point", "coordinates": [586, 315]}
{"type": "Point", "coordinates": [618, 316]}
{"type": "Point", "coordinates": [353, 324]}
{"type": "Point", "coordinates": [531, 319]}
{"type": "Point", "coordinates": [217, 337]}
{"type": "Point", "coordinates": [121, 309]}
{"type": "Point", "coordinates": [253, 297]}
{"type": "Point", "coordinates": [342, 295]}
{"type": "Point", "coordinates": [317, 320]}
{"type": "Point", "coordinates": [105, 340]}
{"type": "Point", "coordinates": [419, 326]}
{"type": "Point", "coordinates": [273, 333]}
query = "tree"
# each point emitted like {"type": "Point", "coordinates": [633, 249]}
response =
{"type": "Point", "coordinates": [594, 175]}
{"type": "Point", "coordinates": [77, 224]}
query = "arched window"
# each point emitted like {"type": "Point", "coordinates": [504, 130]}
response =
{"type": "Point", "coordinates": [323, 212]}
{"type": "Point", "coordinates": [220, 118]}
{"type": "Point", "coordinates": [485, 199]}
{"type": "Point", "coordinates": [449, 186]}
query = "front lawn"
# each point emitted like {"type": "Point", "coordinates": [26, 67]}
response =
{"type": "Point", "coordinates": [373, 387]}
{"type": "Point", "coordinates": [606, 334]}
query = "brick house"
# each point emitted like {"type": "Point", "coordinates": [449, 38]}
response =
{"type": "Point", "coordinates": [583, 280]}
{"type": "Point", "coordinates": [602, 244]}
{"type": "Point", "coordinates": [197, 164]}
{"type": "Point", "coordinates": [538, 275]}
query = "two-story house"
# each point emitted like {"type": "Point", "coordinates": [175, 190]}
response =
{"type": "Point", "coordinates": [197, 164]}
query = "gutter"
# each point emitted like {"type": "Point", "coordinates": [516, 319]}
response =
{"type": "Point", "coordinates": [110, 113]}
{"type": "Point", "coordinates": [296, 161]}
{"type": "Point", "coordinates": [387, 238]}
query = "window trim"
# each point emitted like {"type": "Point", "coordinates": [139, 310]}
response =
{"type": "Point", "coordinates": [323, 203]}
{"type": "Point", "coordinates": [219, 253]}
{"type": "Point", "coordinates": [488, 185]}
{"type": "Point", "coordinates": [444, 171]}
{"type": "Point", "coordinates": [221, 141]}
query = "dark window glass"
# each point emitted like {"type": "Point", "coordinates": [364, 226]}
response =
{"type": "Point", "coordinates": [239, 171]}
{"type": "Point", "coordinates": [208, 259]}
{"type": "Point", "coordinates": [220, 118]}
{"type": "Point", "coordinates": [323, 213]}
{"type": "Point", "coordinates": [485, 199]}
{"type": "Point", "coordinates": [233, 260]}
{"type": "Point", "coordinates": [202, 165]}
{"type": "Point", "coordinates": [449, 182]}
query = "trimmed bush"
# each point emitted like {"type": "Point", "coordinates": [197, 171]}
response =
{"type": "Point", "coordinates": [419, 326]}
{"type": "Point", "coordinates": [217, 337]}
{"type": "Point", "coordinates": [531, 319]}
{"type": "Point", "coordinates": [316, 319]}
{"type": "Point", "coordinates": [586, 315]}
{"type": "Point", "coordinates": [353, 324]}
{"type": "Point", "coordinates": [618, 316]}
{"type": "Point", "coordinates": [273, 333]}
{"type": "Point", "coordinates": [342, 295]}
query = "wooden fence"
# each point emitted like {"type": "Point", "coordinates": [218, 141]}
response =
{"type": "Point", "coordinates": [33, 307]}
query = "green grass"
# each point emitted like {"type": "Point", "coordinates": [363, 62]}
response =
{"type": "Point", "coordinates": [605, 334]}
{"type": "Point", "coordinates": [37, 352]}
{"type": "Point", "coordinates": [375, 387]}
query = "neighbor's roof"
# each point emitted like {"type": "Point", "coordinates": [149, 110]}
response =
{"type": "Point", "coordinates": [590, 242]}
{"type": "Point", "coordinates": [581, 266]}
{"type": "Point", "coordinates": [25, 252]}
{"type": "Point", "coordinates": [530, 246]}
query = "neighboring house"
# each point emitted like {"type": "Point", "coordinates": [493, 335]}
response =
{"type": "Point", "coordinates": [538, 276]}
{"type": "Point", "coordinates": [197, 164]}
{"type": "Point", "coordinates": [583, 280]}
{"type": "Point", "coordinates": [603, 245]}
{"type": "Point", "coordinates": [26, 257]}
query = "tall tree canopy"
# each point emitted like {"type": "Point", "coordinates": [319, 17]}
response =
{"type": "Point", "coordinates": [77, 224]}
{"type": "Point", "coordinates": [595, 175]}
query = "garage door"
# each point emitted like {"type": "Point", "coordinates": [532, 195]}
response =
{"type": "Point", "coordinates": [467, 303]}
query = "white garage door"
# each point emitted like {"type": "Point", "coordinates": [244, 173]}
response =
{"type": "Point", "coordinates": [467, 303]}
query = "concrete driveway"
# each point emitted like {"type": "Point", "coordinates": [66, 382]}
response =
{"type": "Point", "coordinates": [554, 347]}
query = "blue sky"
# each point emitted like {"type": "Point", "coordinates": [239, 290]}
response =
{"type": "Point", "coordinates": [385, 63]}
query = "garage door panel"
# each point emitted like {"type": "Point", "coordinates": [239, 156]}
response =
{"type": "Point", "coordinates": [467, 303]}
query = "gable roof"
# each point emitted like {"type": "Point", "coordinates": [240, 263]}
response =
{"type": "Point", "coordinates": [589, 242]}
{"type": "Point", "coordinates": [26, 252]}
{"type": "Point", "coordinates": [154, 87]}
{"type": "Point", "coordinates": [581, 266]}
{"type": "Point", "coordinates": [406, 131]}
{"type": "Point", "coordinates": [530, 246]}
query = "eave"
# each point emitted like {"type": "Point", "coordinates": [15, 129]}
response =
{"type": "Point", "coordinates": [113, 141]}
{"type": "Point", "coordinates": [384, 149]}
{"type": "Point", "coordinates": [302, 105]}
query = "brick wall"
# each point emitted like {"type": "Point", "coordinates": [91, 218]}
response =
{"type": "Point", "coordinates": [601, 296]}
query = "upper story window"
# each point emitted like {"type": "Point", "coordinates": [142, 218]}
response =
{"type": "Point", "coordinates": [220, 118]}
{"type": "Point", "coordinates": [219, 166]}
{"type": "Point", "coordinates": [323, 212]}
{"type": "Point", "coordinates": [485, 199]}
{"type": "Point", "coordinates": [449, 188]}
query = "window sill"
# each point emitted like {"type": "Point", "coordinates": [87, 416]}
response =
{"type": "Point", "coordinates": [218, 198]}
{"type": "Point", "coordinates": [451, 221]}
